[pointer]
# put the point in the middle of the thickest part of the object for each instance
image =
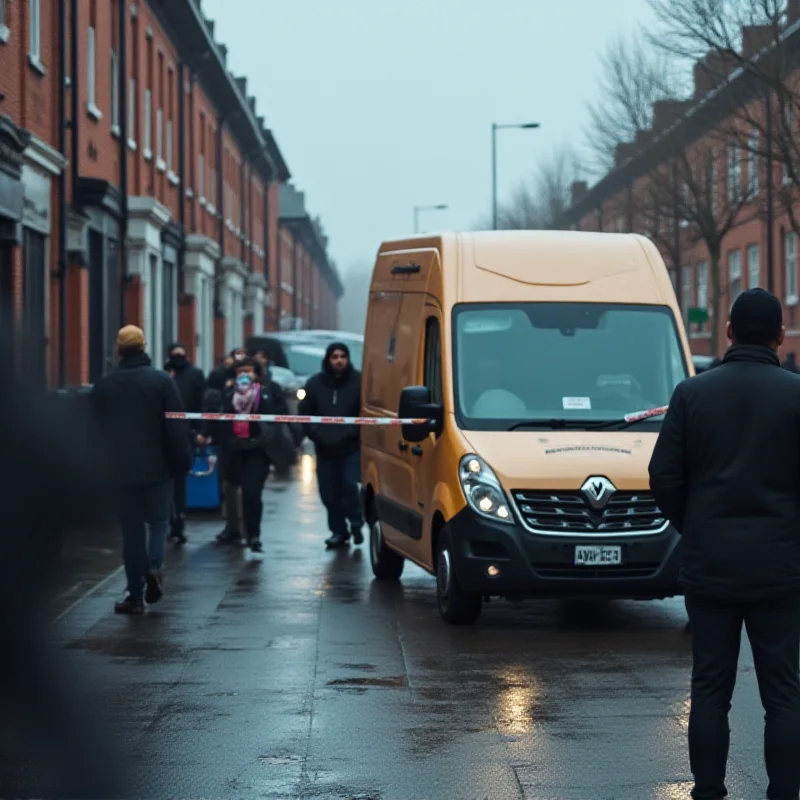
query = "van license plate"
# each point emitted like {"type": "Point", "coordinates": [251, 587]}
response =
{"type": "Point", "coordinates": [597, 556]}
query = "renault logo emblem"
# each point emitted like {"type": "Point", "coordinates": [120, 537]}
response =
{"type": "Point", "coordinates": [597, 491]}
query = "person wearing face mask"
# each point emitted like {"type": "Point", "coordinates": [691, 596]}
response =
{"type": "Point", "coordinates": [191, 385]}
{"type": "Point", "coordinates": [252, 447]}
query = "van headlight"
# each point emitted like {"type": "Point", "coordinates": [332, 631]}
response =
{"type": "Point", "coordinates": [482, 490]}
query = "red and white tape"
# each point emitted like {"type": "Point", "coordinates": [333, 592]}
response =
{"type": "Point", "coordinates": [651, 412]}
{"type": "Point", "coordinates": [308, 420]}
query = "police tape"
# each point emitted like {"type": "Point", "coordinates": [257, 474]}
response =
{"type": "Point", "coordinates": [316, 420]}
{"type": "Point", "coordinates": [288, 418]}
{"type": "Point", "coordinates": [638, 416]}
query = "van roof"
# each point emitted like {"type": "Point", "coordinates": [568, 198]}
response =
{"type": "Point", "coordinates": [618, 266]}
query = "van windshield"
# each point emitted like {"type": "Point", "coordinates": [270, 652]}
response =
{"type": "Point", "coordinates": [574, 362]}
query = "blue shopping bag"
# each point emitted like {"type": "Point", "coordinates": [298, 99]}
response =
{"type": "Point", "coordinates": [202, 483]}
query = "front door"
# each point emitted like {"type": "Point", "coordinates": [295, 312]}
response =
{"type": "Point", "coordinates": [424, 457]}
{"type": "Point", "coordinates": [96, 307]}
{"type": "Point", "coordinates": [34, 309]}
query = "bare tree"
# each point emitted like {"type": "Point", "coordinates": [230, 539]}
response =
{"type": "Point", "coordinates": [683, 201]}
{"type": "Point", "coordinates": [744, 47]}
{"type": "Point", "coordinates": [540, 201]}
{"type": "Point", "coordinates": [633, 76]}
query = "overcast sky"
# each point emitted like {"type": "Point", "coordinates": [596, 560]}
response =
{"type": "Point", "coordinates": [379, 106]}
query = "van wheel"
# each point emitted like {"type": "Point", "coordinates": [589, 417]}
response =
{"type": "Point", "coordinates": [455, 605]}
{"type": "Point", "coordinates": [386, 564]}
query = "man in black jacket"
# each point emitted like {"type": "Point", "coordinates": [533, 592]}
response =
{"type": "Point", "coordinates": [142, 452]}
{"type": "Point", "coordinates": [336, 392]}
{"type": "Point", "coordinates": [726, 473]}
{"type": "Point", "coordinates": [191, 385]}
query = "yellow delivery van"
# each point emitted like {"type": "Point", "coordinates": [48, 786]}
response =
{"type": "Point", "coordinates": [525, 351]}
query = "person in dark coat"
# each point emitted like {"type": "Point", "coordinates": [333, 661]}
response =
{"type": "Point", "coordinates": [252, 447]}
{"type": "Point", "coordinates": [336, 391]}
{"type": "Point", "coordinates": [191, 385]}
{"type": "Point", "coordinates": [142, 452]}
{"type": "Point", "coordinates": [726, 473]}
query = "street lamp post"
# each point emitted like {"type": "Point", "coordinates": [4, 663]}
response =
{"type": "Point", "coordinates": [495, 128]}
{"type": "Point", "coordinates": [417, 209]}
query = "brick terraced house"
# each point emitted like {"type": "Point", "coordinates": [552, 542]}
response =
{"type": "Point", "coordinates": [139, 184]}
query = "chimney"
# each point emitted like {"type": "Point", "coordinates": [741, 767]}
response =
{"type": "Point", "coordinates": [224, 53]}
{"type": "Point", "coordinates": [755, 38]}
{"type": "Point", "coordinates": [579, 191]}
{"type": "Point", "coordinates": [210, 26]}
{"type": "Point", "coordinates": [242, 84]}
{"type": "Point", "coordinates": [665, 112]}
{"type": "Point", "coordinates": [712, 71]}
{"type": "Point", "coordinates": [622, 152]}
{"type": "Point", "coordinates": [643, 138]}
{"type": "Point", "coordinates": [251, 101]}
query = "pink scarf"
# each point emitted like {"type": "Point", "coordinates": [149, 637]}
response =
{"type": "Point", "coordinates": [245, 403]}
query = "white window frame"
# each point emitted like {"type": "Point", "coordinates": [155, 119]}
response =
{"type": "Point", "coordinates": [5, 32]}
{"type": "Point", "coordinates": [148, 124]}
{"type": "Point", "coordinates": [734, 273]}
{"type": "Point", "coordinates": [702, 284]}
{"type": "Point", "coordinates": [754, 143]}
{"type": "Point", "coordinates": [734, 171]}
{"type": "Point", "coordinates": [132, 115]}
{"type": "Point", "coordinates": [91, 75]}
{"type": "Point", "coordinates": [169, 144]}
{"type": "Point", "coordinates": [115, 121]}
{"type": "Point", "coordinates": [790, 250]}
{"type": "Point", "coordinates": [753, 266]}
{"type": "Point", "coordinates": [160, 163]}
{"type": "Point", "coordinates": [686, 290]}
{"type": "Point", "coordinates": [35, 24]}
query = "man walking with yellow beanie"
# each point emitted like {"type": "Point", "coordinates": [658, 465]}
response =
{"type": "Point", "coordinates": [142, 453]}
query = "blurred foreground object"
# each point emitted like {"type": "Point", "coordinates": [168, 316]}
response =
{"type": "Point", "coordinates": [52, 743]}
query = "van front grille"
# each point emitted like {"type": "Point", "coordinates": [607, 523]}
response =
{"type": "Point", "coordinates": [568, 512]}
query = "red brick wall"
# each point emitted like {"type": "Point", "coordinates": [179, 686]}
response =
{"type": "Point", "coordinates": [187, 325]}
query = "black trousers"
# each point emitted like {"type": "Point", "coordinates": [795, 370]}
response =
{"type": "Point", "coordinates": [178, 503]}
{"type": "Point", "coordinates": [773, 628]}
{"type": "Point", "coordinates": [254, 473]}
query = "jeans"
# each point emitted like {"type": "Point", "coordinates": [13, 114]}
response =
{"type": "Point", "coordinates": [144, 518]}
{"type": "Point", "coordinates": [254, 474]}
{"type": "Point", "coordinates": [773, 628]}
{"type": "Point", "coordinates": [338, 480]}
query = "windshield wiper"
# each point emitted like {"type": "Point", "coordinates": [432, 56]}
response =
{"type": "Point", "coordinates": [558, 423]}
{"type": "Point", "coordinates": [591, 425]}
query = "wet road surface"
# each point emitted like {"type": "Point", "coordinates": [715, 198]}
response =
{"type": "Point", "coordinates": [298, 676]}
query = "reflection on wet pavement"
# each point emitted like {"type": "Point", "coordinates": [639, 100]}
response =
{"type": "Point", "coordinates": [298, 676]}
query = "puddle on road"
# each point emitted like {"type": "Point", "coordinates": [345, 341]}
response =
{"type": "Point", "coordinates": [359, 667]}
{"type": "Point", "coordinates": [398, 682]}
{"type": "Point", "coordinates": [118, 647]}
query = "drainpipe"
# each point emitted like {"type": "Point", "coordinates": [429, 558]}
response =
{"type": "Point", "coordinates": [74, 112]}
{"type": "Point", "coordinates": [242, 211]}
{"type": "Point", "coordinates": [122, 81]}
{"type": "Point", "coordinates": [181, 174]}
{"type": "Point", "coordinates": [220, 209]}
{"type": "Point", "coordinates": [294, 275]}
{"type": "Point", "coordinates": [770, 178]}
{"type": "Point", "coordinates": [63, 123]}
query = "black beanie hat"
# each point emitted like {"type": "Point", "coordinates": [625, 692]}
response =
{"type": "Point", "coordinates": [756, 317]}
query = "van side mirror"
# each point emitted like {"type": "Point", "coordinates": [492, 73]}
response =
{"type": "Point", "coordinates": [415, 403]}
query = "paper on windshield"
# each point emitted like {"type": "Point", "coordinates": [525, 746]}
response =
{"type": "Point", "coordinates": [577, 403]}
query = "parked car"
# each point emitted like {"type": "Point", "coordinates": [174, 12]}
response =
{"type": "Point", "coordinates": [322, 338]}
{"type": "Point", "coordinates": [701, 363]}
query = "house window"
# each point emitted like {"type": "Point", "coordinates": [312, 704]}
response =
{"type": "Point", "coordinates": [735, 274]}
{"type": "Point", "coordinates": [790, 247]}
{"type": "Point", "coordinates": [169, 143]}
{"type": "Point", "coordinates": [686, 291]}
{"type": "Point", "coordinates": [91, 74]}
{"type": "Point", "coordinates": [753, 266]}
{"type": "Point", "coordinates": [752, 163]}
{"type": "Point", "coordinates": [35, 50]}
{"type": "Point", "coordinates": [702, 284]}
{"type": "Point", "coordinates": [788, 132]}
{"type": "Point", "coordinates": [132, 110]}
{"type": "Point", "coordinates": [160, 134]}
{"type": "Point", "coordinates": [3, 14]}
{"type": "Point", "coordinates": [201, 167]}
{"type": "Point", "coordinates": [114, 92]}
{"type": "Point", "coordinates": [148, 123]}
{"type": "Point", "coordinates": [734, 172]}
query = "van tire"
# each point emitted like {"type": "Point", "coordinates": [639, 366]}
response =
{"type": "Point", "coordinates": [386, 564]}
{"type": "Point", "coordinates": [455, 605]}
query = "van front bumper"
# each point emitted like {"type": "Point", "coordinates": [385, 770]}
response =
{"type": "Point", "coordinates": [530, 564]}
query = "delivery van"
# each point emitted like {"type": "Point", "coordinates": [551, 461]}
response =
{"type": "Point", "coordinates": [524, 353]}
